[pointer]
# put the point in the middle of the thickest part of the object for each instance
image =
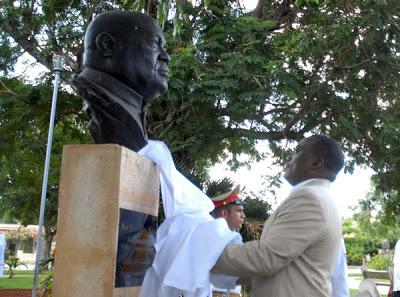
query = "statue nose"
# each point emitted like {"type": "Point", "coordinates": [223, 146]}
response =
{"type": "Point", "coordinates": [164, 56]}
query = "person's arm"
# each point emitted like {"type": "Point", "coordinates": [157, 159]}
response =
{"type": "Point", "coordinates": [298, 224]}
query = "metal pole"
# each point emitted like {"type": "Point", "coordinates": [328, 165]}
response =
{"type": "Point", "coordinates": [57, 63]}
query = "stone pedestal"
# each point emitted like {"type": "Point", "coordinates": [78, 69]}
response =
{"type": "Point", "coordinates": [100, 251]}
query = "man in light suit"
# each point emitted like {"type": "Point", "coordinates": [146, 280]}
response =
{"type": "Point", "coordinates": [299, 244]}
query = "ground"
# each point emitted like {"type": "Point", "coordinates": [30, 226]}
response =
{"type": "Point", "coordinates": [15, 293]}
{"type": "Point", "coordinates": [355, 277]}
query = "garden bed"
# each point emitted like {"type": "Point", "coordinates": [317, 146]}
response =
{"type": "Point", "coordinates": [15, 292]}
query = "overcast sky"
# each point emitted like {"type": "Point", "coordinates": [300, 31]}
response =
{"type": "Point", "coordinates": [348, 189]}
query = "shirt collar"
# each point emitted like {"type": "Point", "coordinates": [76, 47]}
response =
{"type": "Point", "coordinates": [312, 181]}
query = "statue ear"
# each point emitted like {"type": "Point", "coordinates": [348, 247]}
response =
{"type": "Point", "coordinates": [105, 44]}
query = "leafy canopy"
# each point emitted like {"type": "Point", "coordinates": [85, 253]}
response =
{"type": "Point", "coordinates": [277, 73]}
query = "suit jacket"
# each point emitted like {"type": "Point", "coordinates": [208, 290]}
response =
{"type": "Point", "coordinates": [297, 248]}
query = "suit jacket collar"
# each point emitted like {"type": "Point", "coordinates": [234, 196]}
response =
{"type": "Point", "coordinates": [114, 86]}
{"type": "Point", "coordinates": [312, 182]}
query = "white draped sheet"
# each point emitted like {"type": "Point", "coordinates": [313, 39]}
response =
{"type": "Point", "coordinates": [189, 241]}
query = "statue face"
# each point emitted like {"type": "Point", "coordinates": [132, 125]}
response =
{"type": "Point", "coordinates": [143, 60]}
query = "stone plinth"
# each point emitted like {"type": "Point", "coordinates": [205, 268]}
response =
{"type": "Point", "coordinates": [99, 183]}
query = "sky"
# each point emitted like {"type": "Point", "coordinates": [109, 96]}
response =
{"type": "Point", "coordinates": [347, 190]}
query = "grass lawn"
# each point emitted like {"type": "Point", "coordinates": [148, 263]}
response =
{"type": "Point", "coordinates": [23, 279]}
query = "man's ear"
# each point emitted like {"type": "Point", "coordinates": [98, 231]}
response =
{"type": "Point", "coordinates": [105, 44]}
{"type": "Point", "coordinates": [318, 163]}
{"type": "Point", "coordinates": [225, 213]}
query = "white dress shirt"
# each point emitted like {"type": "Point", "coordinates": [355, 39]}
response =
{"type": "Point", "coordinates": [340, 286]}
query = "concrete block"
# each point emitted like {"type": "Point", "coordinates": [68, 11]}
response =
{"type": "Point", "coordinates": [97, 182]}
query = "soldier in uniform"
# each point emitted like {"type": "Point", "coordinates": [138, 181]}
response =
{"type": "Point", "coordinates": [230, 207]}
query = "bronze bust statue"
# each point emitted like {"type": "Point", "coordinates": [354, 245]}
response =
{"type": "Point", "coordinates": [125, 69]}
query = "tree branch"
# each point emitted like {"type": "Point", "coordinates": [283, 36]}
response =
{"type": "Point", "coordinates": [30, 45]}
{"type": "Point", "coordinates": [7, 90]}
{"type": "Point", "coordinates": [267, 135]}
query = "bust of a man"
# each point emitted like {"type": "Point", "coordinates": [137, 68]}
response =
{"type": "Point", "coordinates": [125, 69]}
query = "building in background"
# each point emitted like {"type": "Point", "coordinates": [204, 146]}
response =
{"type": "Point", "coordinates": [20, 241]}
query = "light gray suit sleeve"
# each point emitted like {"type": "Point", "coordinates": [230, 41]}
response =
{"type": "Point", "coordinates": [298, 224]}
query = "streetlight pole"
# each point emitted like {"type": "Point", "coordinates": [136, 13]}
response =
{"type": "Point", "coordinates": [57, 65]}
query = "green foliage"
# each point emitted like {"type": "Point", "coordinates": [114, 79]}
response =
{"type": "Point", "coordinates": [24, 116]}
{"type": "Point", "coordinates": [277, 73]}
{"type": "Point", "coordinates": [23, 279]}
{"type": "Point", "coordinates": [218, 187]}
{"type": "Point", "coordinates": [13, 263]}
{"type": "Point", "coordinates": [365, 233]}
{"type": "Point", "coordinates": [256, 209]}
{"type": "Point", "coordinates": [355, 251]}
{"type": "Point", "coordinates": [380, 262]}
{"type": "Point", "coordinates": [19, 281]}
{"type": "Point", "coordinates": [373, 225]}
{"type": "Point", "coordinates": [47, 282]}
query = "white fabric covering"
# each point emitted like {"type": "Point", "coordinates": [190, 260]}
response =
{"type": "Point", "coordinates": [189, 241]}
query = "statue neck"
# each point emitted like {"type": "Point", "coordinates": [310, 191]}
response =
{"type": "Point", "coordinates": [114, 86]}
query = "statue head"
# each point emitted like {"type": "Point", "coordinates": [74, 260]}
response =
{"type": "Point", "coordinates": [131, 47]}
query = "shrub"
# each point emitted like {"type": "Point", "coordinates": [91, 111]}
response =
{"type": "Point", "coordinates": [355, 251]}
{"type": "Point", "coordinates": [380, 262]}
{"type": "Point", "coordinates": [13, 263]}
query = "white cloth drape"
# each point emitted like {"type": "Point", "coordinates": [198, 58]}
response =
{"type": "Point", "coordinates": [189, 241]}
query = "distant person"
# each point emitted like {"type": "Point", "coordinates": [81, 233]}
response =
{"type": "Point", "coordinates": [2, 250]}
{"type": "Point", "coordinates": [300, 241]}
{"type": "Point", "coordinates": [230, 207]}
{"type": "Point", "coordinates": [385, 246]}
{"type": "Point", "coordinates": [340, 286]}
{"type": "Point", "coordinates": [395, 286]}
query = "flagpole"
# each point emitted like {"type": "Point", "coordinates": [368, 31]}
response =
{"type": "Point", "coordinates": [57, 65]}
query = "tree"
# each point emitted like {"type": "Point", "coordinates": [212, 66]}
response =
{"type": "Point", "coordinates": [218, 187]}
{"type": "Point", "coordinates": [365, 233]}
{"type": "Point", "coordinates": [24, 116]}
{"type": "Point", "coordinates": [284, 70]}
{"type": "Point", "coordinates": [257, 212]}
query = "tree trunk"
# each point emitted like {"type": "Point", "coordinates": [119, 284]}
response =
{"type": "Point", "coordinates": [46, 242]}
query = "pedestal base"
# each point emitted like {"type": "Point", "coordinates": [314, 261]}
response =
{"type": "Point", "coordinates": [101, 187]}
